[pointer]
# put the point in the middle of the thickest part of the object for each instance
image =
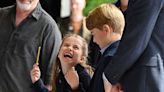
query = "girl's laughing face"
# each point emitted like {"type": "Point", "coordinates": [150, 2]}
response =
{"type": "Point", "coordinates": [71, 51]}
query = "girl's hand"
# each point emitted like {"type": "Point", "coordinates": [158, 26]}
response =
{"type": "Point", "coordinates": [35, 73]}
{"type": "Point", "coordinates": [72, 78]}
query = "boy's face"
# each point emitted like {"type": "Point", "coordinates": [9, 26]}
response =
{"type": "Point", "coordinates": [98, 36]}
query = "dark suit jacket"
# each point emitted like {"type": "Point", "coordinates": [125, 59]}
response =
{"type": "Point", "coordinates": [93, 54]}
{"type": "Point", "coordinates": [96, 84]}
{"type": "Point", "coordinates": [138, 63]}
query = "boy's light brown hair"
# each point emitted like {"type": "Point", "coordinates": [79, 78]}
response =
{"type": "Point", "coordinates": [106, 14]}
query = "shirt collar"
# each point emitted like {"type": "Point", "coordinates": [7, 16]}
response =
{"type": "Point", "coordinates": [111, 48]}
{"type": "Point", "coordinates": [103, 49]}
{"type": "Point", "coordinates": [37, 12]}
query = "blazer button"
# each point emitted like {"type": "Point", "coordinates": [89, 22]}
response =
{"type": "Point", "coordinates": [60, 81]}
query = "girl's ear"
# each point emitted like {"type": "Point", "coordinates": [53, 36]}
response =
{"type": "Point", "coordinates": [58, 56]}
{"type": "Point", "coordinates": [82, 59]}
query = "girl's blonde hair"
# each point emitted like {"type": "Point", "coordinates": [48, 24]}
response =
{"type": "Point", "coordinates": [57, 65]}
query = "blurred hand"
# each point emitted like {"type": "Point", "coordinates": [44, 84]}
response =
{"type": "Point", "coordinates": [49, 87]}
{"type": "Point", "coordinates": [35, 73]}
{"type": "Point", "coordinates": [72, 78]}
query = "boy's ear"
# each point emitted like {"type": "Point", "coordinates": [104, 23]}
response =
{"type": "Point", "coordinates": [106, 28]}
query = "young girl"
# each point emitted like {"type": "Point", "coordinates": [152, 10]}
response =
{"type": "Point", "coordinates": [70, 72]}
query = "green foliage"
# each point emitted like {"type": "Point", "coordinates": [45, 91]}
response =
{"type": "Point", "coordinates": [91, 4]}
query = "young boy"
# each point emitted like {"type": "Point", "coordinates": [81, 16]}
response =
{"type": "Point", "coordinates": [106, 23]}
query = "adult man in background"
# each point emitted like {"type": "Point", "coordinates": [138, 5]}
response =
{"type": "Point", "coordinates": [24, 28]}
{"type": "Point", "coordinates": [138, 63]}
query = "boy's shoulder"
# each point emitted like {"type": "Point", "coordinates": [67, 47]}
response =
{"type": "Point", "coordinates": [111, 50]}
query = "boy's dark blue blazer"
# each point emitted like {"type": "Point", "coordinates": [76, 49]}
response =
{"type": "Point", "coordinates": [96, 84]}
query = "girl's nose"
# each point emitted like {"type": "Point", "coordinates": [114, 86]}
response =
{"type": "Point", "coordinates": [70, 48]}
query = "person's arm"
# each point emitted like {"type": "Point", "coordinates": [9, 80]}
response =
{"type": "Point", "coordinates": [72, 78]}
{"type": "Point", "coordinates": [50, 46]}
{"type": "Point", "coordinates": [35, 73]}
{"type": "Point", "coordinates": [141, 18]}
{"type": "Point", "coordinates": [37, 83]}
{"type": "Point", "coordinates": [39, 86]}
{"type": "Point", "coordinates": [78, 80]}
{"type": "Point", "coordinates": [84, 79]}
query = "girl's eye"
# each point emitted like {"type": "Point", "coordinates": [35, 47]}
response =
{"type": "Point", "coordinates": [66, 45]}
{"type": "Point", "coordinates": [75, 47]}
